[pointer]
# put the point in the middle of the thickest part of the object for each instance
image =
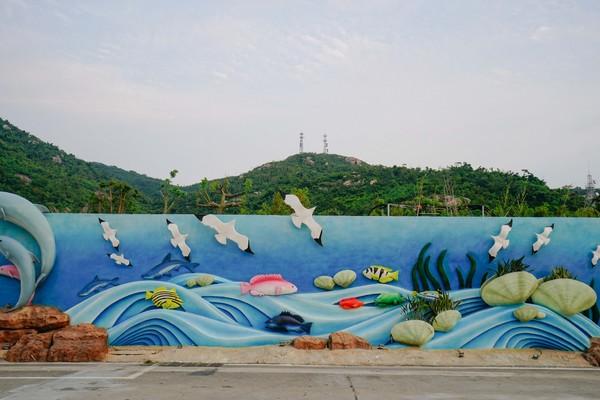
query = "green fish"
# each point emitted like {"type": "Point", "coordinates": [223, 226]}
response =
{"type": "Point", "coordinates": [389, 299]}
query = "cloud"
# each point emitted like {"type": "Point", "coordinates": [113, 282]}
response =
{"type": "Point", "coordinates": [542, 33]}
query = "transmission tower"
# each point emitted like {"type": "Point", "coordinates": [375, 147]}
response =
{"type": "Point", "coordinates": [301, 142]}
{"type": "Point", "coordinates": [325, 144]}
{"type": "Point", "coordinates": [590, 189]}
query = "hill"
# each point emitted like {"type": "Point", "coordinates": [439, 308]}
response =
{"type": "Point", "coordinates": [338, 185]}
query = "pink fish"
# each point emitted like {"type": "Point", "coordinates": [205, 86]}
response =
{"type": "Point", "coordinates": [11, 271]}
{"type": "Point", "coordinates": [268, 285]}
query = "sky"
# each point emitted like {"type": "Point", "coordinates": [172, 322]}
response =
{"type": "Point", "coordinates": [218, 88]}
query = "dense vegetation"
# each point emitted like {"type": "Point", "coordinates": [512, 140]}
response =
{"type": "Point", "coordinates": [335, 184]}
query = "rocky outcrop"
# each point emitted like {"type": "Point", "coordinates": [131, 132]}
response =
{"type": "Point", "coordinates": [40, 318]}
{"type": "Point", "coordinates": [10, 337]}
{"type": "Point", "coordinates": [79, 343]}
{"type": "Point", "coordinates": [592, 355]}
{"type": "Point", "coordinates": [309, 343]}
{"type": "Point", "coordinates": [345, 340]}
{"type": "Point", "coordinates": [31, 348]}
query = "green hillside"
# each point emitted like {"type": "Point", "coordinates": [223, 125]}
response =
{"type": "Point", "coordinates": [337, 185]}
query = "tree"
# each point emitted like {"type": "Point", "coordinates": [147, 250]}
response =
{"type": "Point", "coordinates": [170, 193]}
{"type": "Point", "coordinates": [216, 195]}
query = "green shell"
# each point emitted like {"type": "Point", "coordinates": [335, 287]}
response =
{"type": "Point", "coordinates": [512, 288]}
{"type": "Point", "coordinates": [413, 332]}
{"type": "Point", "coordinates": [528, 313]}
{"type": "Point", "coordinates": [389, 299]}
{"type": "Point", "coordinates": [344, 278]}
{"type": "Point", "coordinates": [324, 282]}
{"type": "Point", "coordinates": [565, 296]}
{"type": "Point", "coordinates": [190, 283]}
{"type": "Point", "coordinates": [205, 280]}
{"type": "Point", "coordinates": [446, 320]}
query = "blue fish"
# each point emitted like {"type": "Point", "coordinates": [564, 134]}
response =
{"type": "Point", "coordinates": [288, 322]}
{"type": "Point", "coordinates": [97, 285]}
{"type": "Point", "coordinates": [166, 266]}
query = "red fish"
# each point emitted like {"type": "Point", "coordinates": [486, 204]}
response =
{"type": "Point", "coordinates": [350, 302]}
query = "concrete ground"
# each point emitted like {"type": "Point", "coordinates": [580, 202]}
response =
{"type": "Point", "coordinates": [125, 381]}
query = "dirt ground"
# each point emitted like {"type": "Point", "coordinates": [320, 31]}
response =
{"type": "Point", "coordinates": [400, 357]}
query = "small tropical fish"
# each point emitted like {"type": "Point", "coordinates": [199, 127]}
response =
{"type": "Point", "coordinates": [268, 285]}
{"type": "Point", "coordinates": [164, 298]}
{"type": "Point", "coordinates": [288, 322]}
{"type": "Point", "coordinates": [97, 285]}
{"type": "Point", "coordinates": [350, 302]}
{"type": "Point", "coordinates": [389, 299]}
{"type": "Point", "coordinates": [380, 273]}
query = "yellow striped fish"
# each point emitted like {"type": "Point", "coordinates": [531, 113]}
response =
{"type": "Point", "coordinates": [380, 273]}
{"type": "Point", "coordinates": [164, 298]}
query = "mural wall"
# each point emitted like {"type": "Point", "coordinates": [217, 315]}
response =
{"type": "Point", "coordinates": [178, 279]}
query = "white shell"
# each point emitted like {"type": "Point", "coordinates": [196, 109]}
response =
{"type": "Point", "coordinates": [446, 320]}
{"type": "Point", "coordinates": [565, 296]}
{"type": "Point", "coordinates": [344, 278]}
{"type": "Point", "coordinates": [512, 288]}
{"type": "Point", "coordinates": [528, 313]}
{"type": "Point", "coordinates": [413, 332]}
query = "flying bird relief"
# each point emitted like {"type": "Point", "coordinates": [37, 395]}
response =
{"type": "Point", "coordinates": [226, 231]}
{"type": "Point", "coordinates": [178, 240]}
{"type": "Point", "coordinates": [303, 215]}
{"type": "Point", "coordinates": [500, 241]}
{"type": "Point", "coordinates": [542, 239]}
{"type": "Point", "coordinates": [596, 256]}
{"type": "Point", "coordinates": [109, 234]}
{"type": "Point", "coordinates": [119, 259]}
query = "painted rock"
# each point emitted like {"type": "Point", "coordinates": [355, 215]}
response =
{"type": "Point", "coordinates": [344, 278]}
{"type": "Point", "coordinates": [205, 280]}
{"type": "Point", "coordinates": [528, 313]}
{"type": "Point", "coordinates": [324, 282]}
{"type": "Point", "coordinates": [446, 320]}
{"type": "Point", "coordinates": [512, 288]}
{"type": "Point", "coordinates": [413, 332]}
{"type": "Point", "coordinates": [565, 296]}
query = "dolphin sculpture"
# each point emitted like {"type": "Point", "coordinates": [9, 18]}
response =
{"type": "Point", "coordinates": [22, 212]}
{"type": "Point", "coordinates": [23, 259]}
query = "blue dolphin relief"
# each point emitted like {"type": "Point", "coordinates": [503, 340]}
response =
{"type": "Point", "coordinates": [167, 266]}
{"type": "Point", "coordinates": [96, 285]}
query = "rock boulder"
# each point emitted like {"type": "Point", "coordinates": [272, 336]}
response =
{"type": "Point", "coordinates": [309, 343]}
{"type": "Point", "coordinates": [40, 318]}
{"type": "Point", "coordinates": [79, 343]}
{"type": "Point", "coordinates": [345, 340]}
{"type": "Point", "coordinates": [31, 348]}
{"type": "Point", "coordinates": [592, 355]}
{"type": "Point", "coordinates": [9, 337]}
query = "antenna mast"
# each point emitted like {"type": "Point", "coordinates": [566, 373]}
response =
{"type": "Point", "coordinates": [301, 142]}
{"type": "Point", "coordinates": [325, 144]}
{"type": "Point", "coordinates": [590, 189]}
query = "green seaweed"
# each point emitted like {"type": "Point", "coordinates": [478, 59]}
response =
{"type": "Point", "coordinates": [429, 275]}
{"type": "Point", "coordinates": [442, 271]}
{"type": "Point", "coordinates": [472, 270]}
{"type": "Point", "coordinates": [483, 279]}
{"type": "Point", "coordinates": [415, 279]}
{"type": "Point", "coordinates": [461, 279]}
{"type": "Point", "coordinates": [560, 272]}
{"type": "Point", "coordinates": [421, 268]}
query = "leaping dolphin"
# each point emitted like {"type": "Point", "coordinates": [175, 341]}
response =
{"type": "Point", "coordinates": [23, 259]}
{"type": "Point", "coordinates": [22, 212]}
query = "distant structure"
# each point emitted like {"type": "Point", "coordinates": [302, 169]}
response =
{"type": "Point", "coordinates": [301, 142]}
{"type": "Point", "coordinates": [590, 189]}
{"type": "Point", "coordinates": [325, 144]}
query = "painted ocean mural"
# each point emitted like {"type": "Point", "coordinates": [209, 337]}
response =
{"type": "Point", "coordinates": [430, 253]}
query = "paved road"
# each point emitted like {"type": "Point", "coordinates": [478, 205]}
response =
{"type": "Point", "coordinates": [133, 382]}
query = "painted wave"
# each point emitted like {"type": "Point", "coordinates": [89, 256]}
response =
{"type": "Point", "coordinates": [219, 315]}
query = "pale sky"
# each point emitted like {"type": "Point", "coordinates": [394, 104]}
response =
{"type": "Point", "coordinates": [217, 88]}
